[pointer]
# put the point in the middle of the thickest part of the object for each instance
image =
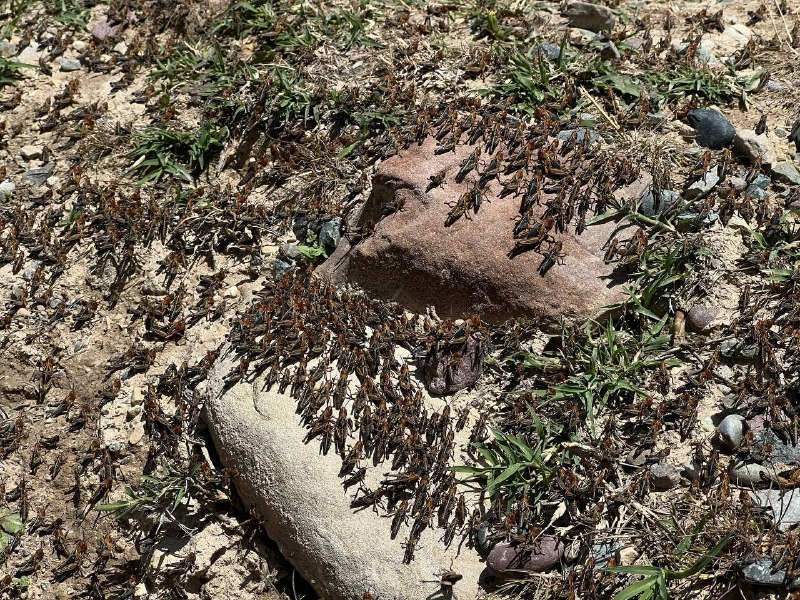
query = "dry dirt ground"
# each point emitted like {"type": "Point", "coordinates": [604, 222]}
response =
{"type": "Point", "coordinates": [190, 138]}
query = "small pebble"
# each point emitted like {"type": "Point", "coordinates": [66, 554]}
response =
{"type": "Point", "coordinates": [747, 474]}
{"type": "Point", "coordinates": [504, 558]}
{"type": "Point", "coordinates": [79, 45]}
{"type": "Point", "coordinates": [69, 64]}
{"type": "Point", "coordinates": [101, 31]}
{"type": "Point", "coordinates": [712, 128]}
{"type": "Point", "coordinates": [664, 476]}
{"type": "Point", "coordinates": [133, 412]}
{"type": "Point", "coordinates": [330, 234]}
{"type": "Point", "coordinates": [121, 48]}
{"type": "Point", "coordinates": [731, 430]}
{"type": "Point", "coordinates": [752, 147]}
{"type": "Point", "coordinates": [700, 317]}
{"type": "Point", "coordinates": [31, 152]}
{"type": "Point", "coordinates": [592, 17]}
{"type": "Point", "coordinates": [786, 173]}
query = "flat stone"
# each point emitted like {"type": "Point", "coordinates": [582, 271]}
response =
{"type": "Point", "coordinates": [702, 187]}
{"type": "Point", "coordinates": [664, 476]}
{"type": "Point", "coordinates": [764, 572]}
{"type": "Point", "coordinates": [739, 32]}
{"type": "Point", "coordinates": [30, 152]}
{"type": "Point", "coordinates": [738, 350]}
{"type": "Point", "coordinates": [751, 147]}
{"type": "Point", "coordinates": [592, 17]}
{"type": "Point", "coordinates": [712, 128]}
{"type": "Point", "coordinates": [549, 51]}
{"type": "Point", "coordinates": [786, 173]}
{"type": "Point", "coordinates": [785, 506]}
{"type": "Point", "coordinates": [603, 552]}
{"type": "Point", "coordinates": [121, 48]}
{"type": "Point", "coordinates": [781, 451]}
{"type": "Point", "coordinates": [7, 49]}
{"type": "Point", "coordinates": [747, 474]}
{"type": "Point", "coordinates": [508, 560]}
{"type": "Point", "coordinates": [30, 54]}
{"type": "Point", "coordinates": [283, 266]}
{"type": "Point", "coordinates": [464, 269]}
{"type": "Point", "coordinates": [39, 175]}
{"type": "Point", "coordinates": [582, 132]}
{"type": "Point", "coordinates": [69, 64]}
{"type": "Point", "coordinates": [101, 31]}
{"type": "Point", "coordinates": [79, 45]}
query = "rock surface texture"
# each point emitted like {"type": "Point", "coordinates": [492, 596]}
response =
{"type": "Point", "coordinates": [712, 128]}
{"type": "Point", "coordinates": [464, 269]}
{"type": "Point", "coordinates": [341, 552]}
{"type": "Point", "coordinates": [586, 15]}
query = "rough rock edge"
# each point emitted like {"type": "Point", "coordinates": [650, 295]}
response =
{"type": "Point", "coordinates": [341, 553]}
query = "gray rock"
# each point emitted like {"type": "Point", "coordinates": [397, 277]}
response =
{"type": "Point", "coordinates": [7, 49]}
{"type": "Point", "coordinates": [731, 430]}
{"type": "Point", "coordinates": [299, 493]}
{"type": "Point", "coordinates": [785, 505]}
{"type": "Point", "coordinates": [738, 183]}
{"type": "Point", "coordinates": [283, 266]}
{"type": "Point", "coordinates": [6, 189]}
{"type": "Point", "coordinates": [507, 560]}
{"type": "Point", "coordinates": [761, 182]}
{"type": "Point", "coordinates": [691, 470]}
{"type": "Point", "coordinates": [781, 452]}
{"type": "Point", "coordinates": [751, 147]}
{"type": "Point", "coordinates": [330, 234]}
{"type": "Point", "coordinates": [565, 134]}
{"type": "Point", "coordinates": [39, 175]}
{"type": "Point", "coordinates": [703, 186]}
{"type": "Point", "coordinates": [747, 474]}
{"type": "Point", "coordinates": [289, 251]}
{"type": "Point", "coordinates": [30, 152]}
{"type": "Point", "coordinates": [738, 350]}
{"type": "Point", "coordinates": [549, 51]}
{"type": "Point", "coordinates": [69, 64]}
{"type": "Point", "coordinates": [602, 552]}
{"type": "Point", "coordinates": [101, 31]}
{"type": "Point", "coordinates": [786, 173]}
{"type": "Point", "coordinates": [700, 317]}
{"type": "Point", "coordinates": [592, 17]}
{"type": "Point", "coordinates": [712, 128]}
{"type": "Point", "coordinates": [649, 207]}
{"type": "Point", "coordinates": [664, 476]}
{"type": "Point", "coordinates": [763, 572]}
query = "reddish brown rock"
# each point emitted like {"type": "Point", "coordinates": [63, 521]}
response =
{"type": "Point", "coordinates": [464, 269]}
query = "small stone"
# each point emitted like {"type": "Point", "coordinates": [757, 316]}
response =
{"type": "Point", "coordinates": [785, 505]}
{"type": "Point", "coordinates": [6, 189]}
{"type": "Point", "coordinates": [22, 313]}
{"type": "Point", "coordinates": [483, 541]}
{"type": "Point", "coordinates": [121, 48]}
{"type": "Point", "coordinates": [39, 175]}
{"type": "Point", "coordinates": [751, 146]}
{"type": "Point", "coordinates": [738, 183]}
{"type": "Point", "coordinates": [7, 49]}
{"type": "Point", "coordinates": [591, 17]}
{"type": "Point", "coordinates": [133, 412]}
{"type": "Point", "coordinates": [31, 152]}
{"type": "Point", "coordinates": [231, 292]}
{"type": "Point", "coordinates": [283, 266]}
{"type": "Point", "coordinates": [610, 51]}
{"type": "Point", "coordinates": [153, 288]}
{"type": "Point", "coordinates": [603, 552]}
{"type": "Point", "coordinates": [737, 350]}
{"type": "Point", "coordinates": [136, 435]}
{"type": "Point", "coordinates": [101, 31]}
{"type": "Point", "coordinates": [780, 132]}
{"type": "Point", "coordinates": [759, 188]}
{"type": "Point", "coordinates": [739, 32]}
{"type": "Point", "coordinates": [505, 559]}
{"type": "Point", "coordinates": [628, 556]}
{"type": "Point", "coordinates": [289, 251]}
{"type": "Point", "coordinates": [140, 592]}
{"type": "Point", "coordinates": [703, 186]}
{"type": "Point", "coordinates": [582, 132]}
{"type": "Point", "coordinates": [79, 45]}
{"type": "Point", "coordinates": [648, 206]}
{"type": "Point", "coordinates": [30, 54]}
{"type": "Point", "coordinates": [731, 430]}
{"type": "Point", "coordinates": [787, 173]}
{"type": "Point", "coordinates": [700, 318]}
{"type": "Point", "coordinates": [549, 51]}
{"type": "Point", "coordinates": [691, 470]}
{"type": "Point", "coordinates": [712, 129]}
{"type": "Point", "coordinates": [764, 572]}
{"type": "Point", "coordinates": [330, 234]}
{"type": "Point", "coordinates": [664, 476]}
{"type": "Point", "coordinates": [747, 474]}
{"type": "Point", "coordinates": [69, 64]}
{"type": "Point", "coordinates": [636, 458]}
{"type": "Point", "coordinates": [781, 452]}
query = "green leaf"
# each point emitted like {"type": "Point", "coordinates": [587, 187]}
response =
{"type": "Point", "coordinates": [640, 587]}
{"type": "Point", "coordinates": [346, 150]}
{"type": "Point", "coordinates": [11, 522]}
{"type": "Point", "coordinates": [508, 472]}
{"type": "Point", "coordinates": [112, 507]}
{"type": "Point", "coordinates": [648, 570]}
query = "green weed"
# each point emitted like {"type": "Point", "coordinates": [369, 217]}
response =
{"type": "Point", "coordinates": [160, 151]}
{"type": "Point", "coordinates": [11, 71]}
{"type": "Point", "coordinates": [10, 524]}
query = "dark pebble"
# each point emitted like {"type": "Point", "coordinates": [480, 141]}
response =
{"type": "Point", "coordinates": [700, 317]}
{"type": "Point", "coordinates": [712, 129]}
